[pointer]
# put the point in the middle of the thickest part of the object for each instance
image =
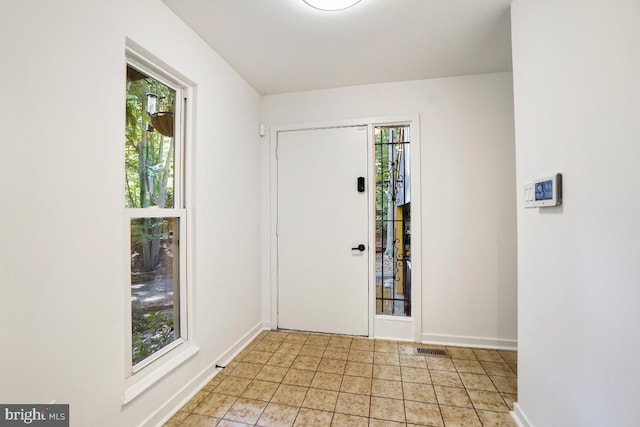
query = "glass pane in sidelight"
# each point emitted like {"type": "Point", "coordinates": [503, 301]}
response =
{"type": "Point", "coordinates": [393, 220]}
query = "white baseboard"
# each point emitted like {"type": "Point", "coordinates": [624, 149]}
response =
{"type": "Point", "coordinates": [462, 341]}
{"type": "Point", "coordinates": [519, 417]}
{"type": "Point", "coordinates": [179, 399]}
{"type": "Point", "coordinates": [237, 347]}
{"type": "Point", "coordinates": [394, 328]}
{"type": "Point", "coordinates": [266, 325]}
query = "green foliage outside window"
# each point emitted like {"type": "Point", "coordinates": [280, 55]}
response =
{"type": "Point", "coordinates": [148, 153]}
{"type": "Point", "coordinates": [151, 332]}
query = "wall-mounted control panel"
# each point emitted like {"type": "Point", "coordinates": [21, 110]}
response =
{"type": "Point", "coordinates": [543, 192]}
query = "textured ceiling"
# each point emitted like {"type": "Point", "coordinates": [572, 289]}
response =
{"type": "Point", "coordinates": [286, 46]}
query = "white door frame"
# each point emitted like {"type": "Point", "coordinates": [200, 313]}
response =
{"type": "Point", "coordinates": [391, 327]}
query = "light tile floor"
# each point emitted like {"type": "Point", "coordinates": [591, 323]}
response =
{"type": "Point", "coordinates": [290, 378]}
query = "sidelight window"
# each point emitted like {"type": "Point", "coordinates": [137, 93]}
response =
{"type": "Point", "coordinates": [393, 220]}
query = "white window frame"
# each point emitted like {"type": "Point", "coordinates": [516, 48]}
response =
{"type": "Point", "coordinates": [140, 377]}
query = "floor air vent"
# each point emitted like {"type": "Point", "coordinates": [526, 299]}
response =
{"type": "Point", "coordinates": [430, 352]}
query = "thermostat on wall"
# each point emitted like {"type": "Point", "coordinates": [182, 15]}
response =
{"type": "Point", "coordinates": [544, 192]}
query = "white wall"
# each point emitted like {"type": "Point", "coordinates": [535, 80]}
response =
{"type": "Point", "coordinates": [576, 74]}
{"type": "Point", "coordinates": [62, 256]}
{"type": "Point", "coordinates": [468, 193]}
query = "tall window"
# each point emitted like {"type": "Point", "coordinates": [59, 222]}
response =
{"type": "Point", "coordinates": [155, 208]}
{"type": "Point", "coordinates": [393, 220]}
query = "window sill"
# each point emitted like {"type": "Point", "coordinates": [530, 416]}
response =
{"type": "Point", "coordinates": [138, 384]}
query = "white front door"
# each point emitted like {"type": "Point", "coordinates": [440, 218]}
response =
{"type": "Point", "coordinates": [322, 280]}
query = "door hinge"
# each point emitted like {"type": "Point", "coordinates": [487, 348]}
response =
{"type": "Point", "coordinates": [277, 229]}
{"type": "Point", "coordinates": [277, 151]}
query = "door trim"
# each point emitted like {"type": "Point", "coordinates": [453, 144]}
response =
{"type": "Point", "coordinates": [270, 301]}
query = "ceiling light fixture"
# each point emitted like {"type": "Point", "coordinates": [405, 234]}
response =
{"type": "Point", "coordinates": [331, 5]}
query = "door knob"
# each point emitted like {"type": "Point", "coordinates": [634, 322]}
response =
{"type": "Point", "coordinates": [360, 248]}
